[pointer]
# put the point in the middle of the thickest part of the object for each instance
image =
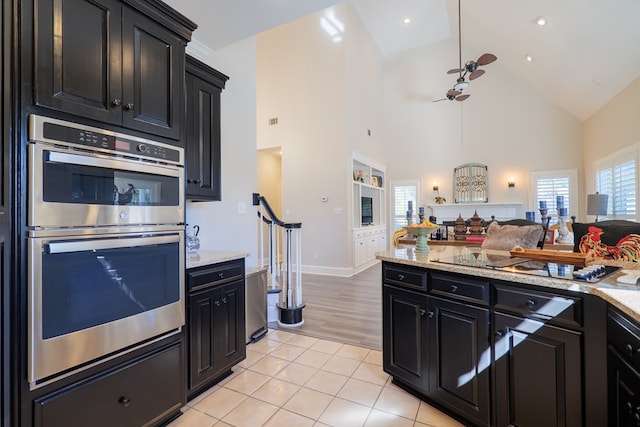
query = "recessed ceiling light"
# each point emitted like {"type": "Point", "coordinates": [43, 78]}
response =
{"type": "Point", "coordinates": [528, 58]}
{"type": "Point", "coordinates": [541, 21]}
{"type": "Point", "coordinates": [407, 20]}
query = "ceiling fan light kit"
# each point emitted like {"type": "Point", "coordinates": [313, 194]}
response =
{"type": "Point", "coordinates": [470, 68]}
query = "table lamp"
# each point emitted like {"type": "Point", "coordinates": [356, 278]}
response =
{"type": "Point", "coordinates": [597, 204]}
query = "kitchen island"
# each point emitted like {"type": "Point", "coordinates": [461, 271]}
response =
{"type": "Point", "coordinates": [500, 345]}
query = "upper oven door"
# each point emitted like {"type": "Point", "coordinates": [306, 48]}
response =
{"type": "Point", "coordinates": [74, 188]}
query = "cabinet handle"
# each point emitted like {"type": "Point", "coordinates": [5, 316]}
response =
{"type": "Point", "coordinates": [124, 401]}
{"type": "Point", "coordinates": [221, 275]}
{"type": "Point", "coordinates": [631, 351]}
{"type": "Point", "coordinates": [500, 333]}
{"type": "Point", "coordinates": [531, 303]}
{"type": "Point", "coordinates": [636, 419]}
{"type": "Point", "coordinates": [423, 312]}
{"type": "Point", "coordinates": [400, 277]}
{"type": "Point", "coordinates": [217, 303]}
{"type": "Point", "coordinates": [430, 314]}
{"type": "Point", "coordinates": [116, 102]}
{"type": "Point", "coordinates": [224, 300]}
{"type": "Point", "coordinates": [454, 288]}
{"type": "Point", "coordinates": [630, 408]}
{"type": "Point", "coordinates": [128, 106]}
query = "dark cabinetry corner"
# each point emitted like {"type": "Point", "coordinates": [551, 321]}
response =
{"type": "Point", "coordinates": [202, 131]}
{"type": "Point", "coordinates": [216, 322]}
{"type": "Point", "coordinates": [112, 63]}
{"type": "Point", "coordinates": [623, 370]}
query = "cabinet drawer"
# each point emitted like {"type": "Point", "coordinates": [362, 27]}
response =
{"type": "Point", "coordinates": [405, 276]}
{"type": "Point", "coordinates": [139, 394]}
{"type": "Point", "coordinates": [216, 274]}
{"type": "Point", "coordinates": [545, 306]}
{"type": "Point", "coordinates": [459, 287]}
{"type": "Point", "coordinates": [624, 336]}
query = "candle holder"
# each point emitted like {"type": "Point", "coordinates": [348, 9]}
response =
{"type": "Point", "coordinates": [563, 230]}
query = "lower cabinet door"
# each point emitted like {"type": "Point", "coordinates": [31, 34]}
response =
{"type": "Point", "coordinates": [538, 374]}
{"type": "Point", "coordinates": [231, 324]}
{"type": "Point", "coordinates": [139, 394]}
{"type": "Point", "coordinates": [216, 332]}
{"type": "Point", "coordinates": [404, 336]}
{"type": "Point", "coordinates": [624, 392]}
{"type": "Point", "coordinates": [459, 358]}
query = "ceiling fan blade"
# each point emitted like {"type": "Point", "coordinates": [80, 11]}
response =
{"type": "Point", "coordinates": [454, 71]}
{"type": "Point", "coordinates": [462, 97]}
{"type": "Point", "coordinates": [438, 100]}
{"type": "Point", "coordinates": [487, 58]}
{"type": "Point", "coordinates": [453, 92]}
{"type": "Point", "coordinates": [476, 74]}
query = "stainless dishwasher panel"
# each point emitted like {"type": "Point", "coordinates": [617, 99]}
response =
{"type": "Point", "coordinates": [256, 303]}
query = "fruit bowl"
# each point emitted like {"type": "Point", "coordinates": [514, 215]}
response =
{"type": "Point", "coordinates": [421, 231]}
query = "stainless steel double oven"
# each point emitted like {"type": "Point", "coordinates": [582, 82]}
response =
{"type": "Point", "coordinates": [105, 239]}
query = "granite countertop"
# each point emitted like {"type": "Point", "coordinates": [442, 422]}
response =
{"type": "Point", "coordinates": [207, 257]}
{"type": "Point", "coordinates": [624, 297]}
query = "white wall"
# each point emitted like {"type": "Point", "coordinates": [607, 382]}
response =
{"type": "Point", "coordinates": [325, 93]}
{"type": "Point", "coordinates": [221, 226]}
{"type": "Point", "coordinates": [504, 124]}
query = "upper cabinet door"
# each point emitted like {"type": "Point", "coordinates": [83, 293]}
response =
{"type": "Point", "coordinates": [153, 77]}
{"type": "Point", "coordinates": [78, 57]}
{"type": "Point", "coordinates": [104, 61]}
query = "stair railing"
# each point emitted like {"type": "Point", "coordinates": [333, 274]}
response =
{"type": "Point", "coordinates": [281, 271]}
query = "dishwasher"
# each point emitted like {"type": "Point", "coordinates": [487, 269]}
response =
{"type": "Point", "coordinates": [256, 303]}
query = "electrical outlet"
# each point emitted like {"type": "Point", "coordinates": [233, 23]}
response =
{"type": "Point", "coordinates": [242, 208]}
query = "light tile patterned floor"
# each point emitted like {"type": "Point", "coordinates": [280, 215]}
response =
{"type": "Point", "coordinates": [290, 380]}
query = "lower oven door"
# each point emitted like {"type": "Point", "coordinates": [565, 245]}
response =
{"type": "Point", "coordinates": [91, 295]}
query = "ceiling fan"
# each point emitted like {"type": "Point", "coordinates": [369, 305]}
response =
{"type": "Point", "coordinates": [470, 68]}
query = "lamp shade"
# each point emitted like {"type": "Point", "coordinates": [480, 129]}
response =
{"type": "Point", "coordinates": [597, 204]}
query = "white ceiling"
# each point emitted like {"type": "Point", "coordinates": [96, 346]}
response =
{"type": "Point", "coordinates": [587, 53]}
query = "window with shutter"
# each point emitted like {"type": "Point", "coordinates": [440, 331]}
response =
{"type": "Point", "coordinates": [616, 176]}
{"type": "Point", "coordinates": [548, 185]}
{"type": "Point", "coordinates": [401, 193]}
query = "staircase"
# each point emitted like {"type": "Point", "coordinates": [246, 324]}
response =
{"type": "Point", "coordinates": [283, 243]}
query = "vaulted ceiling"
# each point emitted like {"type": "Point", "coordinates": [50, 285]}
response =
{"type": "Point", "coordinates": [587, 53]}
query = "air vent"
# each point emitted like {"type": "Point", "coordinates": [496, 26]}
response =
{"type": "Point", "coordinates": [273, 121]}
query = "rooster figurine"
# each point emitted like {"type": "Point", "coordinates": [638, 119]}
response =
{"type": "Point", "coordinates": [627, 248]}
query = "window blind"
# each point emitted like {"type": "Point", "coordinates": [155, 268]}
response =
{"type": "Point", "coordinates": [617, 178]}
{"type": "Point", "coordinates": [402, 194]}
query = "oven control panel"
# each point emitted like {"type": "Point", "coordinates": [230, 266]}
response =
{"type": "Point", "coordinates": [45, 129]}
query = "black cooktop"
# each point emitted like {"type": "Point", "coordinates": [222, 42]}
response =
{"type": "Point", "coordinates": [527, 266]}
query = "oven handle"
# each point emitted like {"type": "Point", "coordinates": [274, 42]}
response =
{"type": "Point", "coordinates": [87, 245]}
{"type": "Point", "coordinates": [99, 161]}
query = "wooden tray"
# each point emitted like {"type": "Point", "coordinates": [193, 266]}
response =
{"type": "Point", "coordinates": [572, 258]}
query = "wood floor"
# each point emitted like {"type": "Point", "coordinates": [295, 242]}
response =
{"type": "Point", "coordinates": [344, 309]}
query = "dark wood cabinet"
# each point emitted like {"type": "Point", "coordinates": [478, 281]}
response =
{"type": "Point", "coordinates": [623, 370]}
{"type": "Point", "coordinates": [538, 373]}
{"type": "Point", "coordinates": [202, 141]}
{"type": "Point", "coordinates": [459, 358]}
{"type": "Point", "coordinates": [131, 395]}
{"type": "Point", "coordinates": [112, 63]}
{"type": "Point", "coordinates": [496, 353]}
{"type": "Point", "coordinates": [216, 322]}
{"type": "Point", "coordinates": [404, 336]}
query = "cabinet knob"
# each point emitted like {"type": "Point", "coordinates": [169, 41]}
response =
{"type": "Point", "coordinates": [116, 102]}
{"type": "Point", "coordinates": [430, 314]}
{"type": "Point", "coordinates": [124, 401]}
{"type": "Point", "coordinates": [400, 276]}
{"type": "Point", "coordinates": [221, 275]}
{"type": "Point", "coordinates": [500, 333]}
{"type": "Point", "coordinates": [531, 303]}
{"type": "Point", "coordinates": [217, 303]}
{"type": "Point", "coordinates": [454, 288]}
{"type": "Point", "coordinates": [224, 300]}
{"type": "Point", "coordinates": [632, 351]}
{"type": "Point", "coordinates": [128, 106]}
